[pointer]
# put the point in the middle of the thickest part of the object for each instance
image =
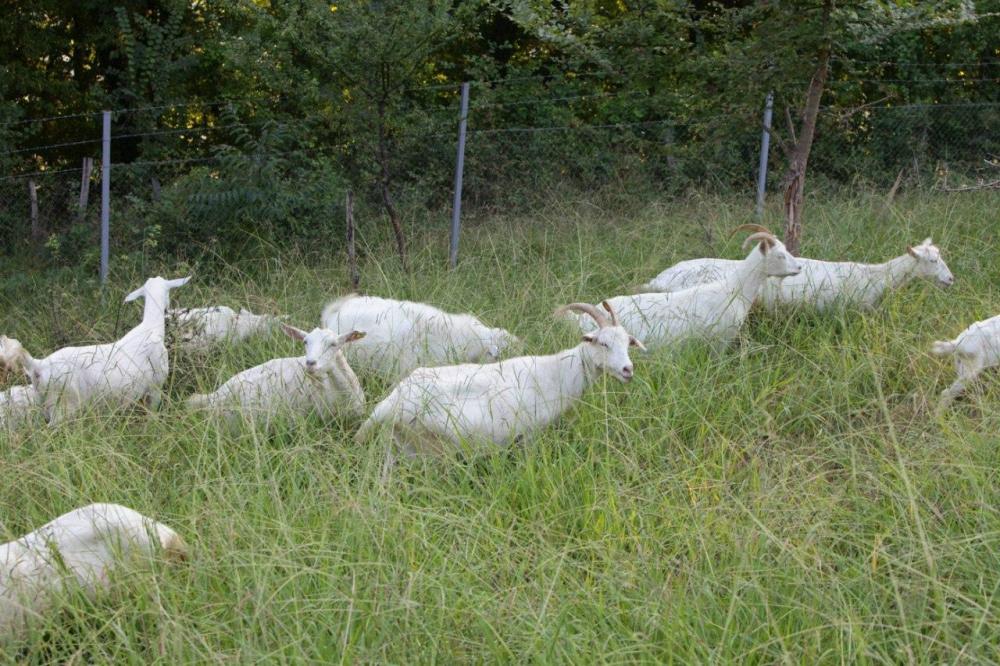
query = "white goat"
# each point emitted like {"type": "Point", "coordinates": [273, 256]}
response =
{"type": "Point", "coordinates": [17, 404]}
{"type": "Point", "coordinates": [821, 284]}
{"type": "Point", "coordinates": [131, 369]}
{"type": "Point", "coordinates": [975, 349]}
{"type": "Point", "coordinates": [321, 381]}
{"type": "Point", "coordinates": [713, 311]}
{"type": "Point", "coordinates": [402, 335]}
{"type": "Point", "coordinates": [440, 409]}
{"type": "Point", "coordinates": [197, 329]}
{"type": "Point", "coordinates": [79, 549]}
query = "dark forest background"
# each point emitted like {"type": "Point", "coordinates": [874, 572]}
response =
{"type": "Point", "coordinates": [238, 119]}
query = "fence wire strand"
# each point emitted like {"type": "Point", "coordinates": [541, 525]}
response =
{"type": "Point", "coordinates": [516, 145]}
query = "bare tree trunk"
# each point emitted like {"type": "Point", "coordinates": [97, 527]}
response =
{"type": "Point", "coordinates": [36, 227]}
{"type": "Point", "coordinates": [384, 181]}
{"type": "Point", "coordinates": [86, 170]}
{"type": "Point", "coordinates": [891, 197]}
{"type": "Point", "coordinates": [352, 254]}
{"type": "Point", "coordinates": [795, 178]}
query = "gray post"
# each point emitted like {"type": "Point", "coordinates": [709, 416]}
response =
{"type": "Point", "coordinates": [765, 144]}
{"type": "Point", "coordinates": [105, 194]}
{"type": "Point", "coordinates": [456, 209]}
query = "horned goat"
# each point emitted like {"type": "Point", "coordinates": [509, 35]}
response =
{"type": "Point", "coordinates": [714, 311]}
{"type": "Point", "coordinates": [975, 349]}
{"type": "Point", "coordinates": [79, 549]}
{"type": "Point", "coordinates": [821, 284]}
{"type": "Point", "coordinates": [403, 335]}
{"type": "Point", "coordinates": [128, 370]}
{"type": "Point", "coordinates": [442, 409]}
{"type": "Point", "coordinates": [322, 381]}
{"type": "Point", "coordinates": [196, 329]}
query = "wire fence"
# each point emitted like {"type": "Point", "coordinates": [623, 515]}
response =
{"type": "Point", "coordinates": [525, 135]}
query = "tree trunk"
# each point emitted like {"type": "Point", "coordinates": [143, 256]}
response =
{"type": "Point", "coordinates": [384, 181]}
{"type": "Point", "coordinates": [795, 178]}
{"type": "Point", "coordinates": [36, 226]}
{"type": "Point", "coordinates": [85, 173]}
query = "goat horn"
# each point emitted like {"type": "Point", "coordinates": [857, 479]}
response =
{"type": "Point", "coordinates": [584, 308]}
{"type": "Point", "coordinates": [614, 317]}
{"type": "Point", "coordinates": [749, 227]}
{"type": "Point", "coordinates": [765, 236]}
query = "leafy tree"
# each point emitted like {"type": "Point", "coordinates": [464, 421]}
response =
{"type": "Point", "coordinates": [357, 62]}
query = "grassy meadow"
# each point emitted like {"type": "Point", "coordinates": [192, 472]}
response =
{"type": "Point", "coordinates": [794, 500]}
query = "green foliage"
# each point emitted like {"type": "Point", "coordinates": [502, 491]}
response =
{"type": "Point", "coordinates": [643, 92]}
{"type": "Point", "coordinates": [252, 193]}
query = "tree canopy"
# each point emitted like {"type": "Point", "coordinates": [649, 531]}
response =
{"type": "Point", "coordinates": [371, 87]}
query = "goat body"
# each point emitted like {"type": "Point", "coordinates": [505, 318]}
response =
{"type": "Point", "coordinates": [440, 409]}
{"type": "Point", "coordinates": [282, 384]}
{"type": "Point", "coordinates": [402, 335]}
{"type": "Point", "coordinates": [820, 284]}
{"type": "Point", "coordinates": [78, 549]}
{"type": "Point", "coordinates": [713, 311]}
{"type": "Point", "coordinates": [128, 370]}
{"type": "Point", "coordinates": [199, 328]}
{"type": "Point", "coordinates": [320, 382]}
{"type": "Point", "coordinates": [975, 349]}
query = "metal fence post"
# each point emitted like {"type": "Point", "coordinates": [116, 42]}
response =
{"type": "Point", "coordinates": [765, 144]}
{"type": "Point", "coordinates": [456, 209]}
{"type": "Point", "coordinates": [105, 194]}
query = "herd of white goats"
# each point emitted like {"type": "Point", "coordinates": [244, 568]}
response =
{"type": "Point", "coordinates": [434, 407]}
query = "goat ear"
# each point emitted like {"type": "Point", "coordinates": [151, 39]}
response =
{"type": "Point", "coordinates": [141, 291]}
{"type": "Point", "coordinates": [589, 338]}
{"type": "Point", "coordinates": [910, 251]}
{"type": "Point", "coordinates": [294, 333]}
{"type": "Point", "coordinates": [635, 342]}
{"type": "Point", "coordinates": [927, 241]}
{"type": "Point", "coordinates": [764, 247]}
{"type": "Point", "coordinates": [351, 337]}
{"type": "Point", "coordinates": [179, 282]}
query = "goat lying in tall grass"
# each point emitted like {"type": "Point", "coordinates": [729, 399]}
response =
{"type": "Point", "coordinates": [975, 349]}
{"type": "Point", "coordinates": [714, 311]}
{"type": "Point", "coordinates": [197, 329]}
{"type": "Point", "coordinates": [128, 370]}
{"type": "Point", "coordinates": [403, 335]}
{"type": "Point", "coordinates": [320, 382]}
{"type": "Point", "coordinates": [820, 284]}
{"type": "Point", "coordinates": [79, 549]}
{"type": "Point", "coordinates": [449, 408]}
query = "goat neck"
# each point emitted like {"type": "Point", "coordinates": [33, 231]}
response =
{"type": "Point", "coordinates": [345, 379]}
{"type": "Point", "coordinates": [749, 275]}
{"type": "Point", "coordinates": [898, 271]}
{"type": "Point", "coordinates": [154, 309]}
{"type": "Point", "coordinates": [577, 371]}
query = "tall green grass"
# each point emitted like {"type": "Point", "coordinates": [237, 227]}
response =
{"type": "Point", "coordinates": [793, 500]}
